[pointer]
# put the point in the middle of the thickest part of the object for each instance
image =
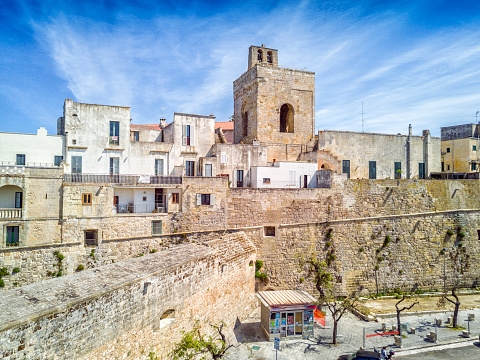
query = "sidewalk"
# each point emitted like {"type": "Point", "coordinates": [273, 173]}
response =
{"type": "Point", "coordinates": [350, 338]}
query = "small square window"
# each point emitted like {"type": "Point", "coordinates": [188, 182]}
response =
{"type": "Point", "coordinates": [269, 230]}
{"type": "Point", "coordinates": [157, 227]}
{"type": "Point", "coordinates": [20, 159]}
{"type": "Point", "coordinates": [474, 148]}
{"type": "Point", "coordinates": [266, 180]}
{"type": "Point", "coordinates": [86, 199]}
{"type": "Point", "coordinates": [175, 198]}
{"type": "Point", "coordinates": [205, 199]}
{"type": "Point", "coordinates": [58, 160]}
{"type": "Point", "coordinates": [74, 142]}
{"type": "Point", "coordinates": [448, 167]}
{"type": "Point", "coordinates": [448, 150]}
{"type": "Point", "coordinates": [144, 198]}
{"type": "Point", "coordinates": [91, 237]}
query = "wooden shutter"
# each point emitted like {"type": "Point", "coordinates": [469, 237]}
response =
{"type": "Point", "coordinates": [184, 135]}
{"type": "Point", "coordinates": [212, 199]}
{"type": "Point", "coordinates": [199, 199]}
{"type": "Point", "coordinates": [192, 135]}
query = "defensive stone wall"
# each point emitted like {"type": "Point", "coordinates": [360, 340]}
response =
{"type": "Point", "coordinates": [127, 309]}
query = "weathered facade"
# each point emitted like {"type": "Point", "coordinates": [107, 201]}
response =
{"type": "Point", "coordinates": [273, 105]}
{"type": "Point", "coordinates": [460, 148]}
{"type": "Point", "coordinates": [379, 156]}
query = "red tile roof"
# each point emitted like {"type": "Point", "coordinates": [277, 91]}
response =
{"type": "Point", "coordinates": [225, 125]}
{"type": "Point", "coordinates": [145, 127]}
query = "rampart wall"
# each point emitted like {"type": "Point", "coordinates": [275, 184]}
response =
{"type": "Point", "coordinates": [119, 310]}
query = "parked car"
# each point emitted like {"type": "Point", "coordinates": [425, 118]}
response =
{"type": "Point", "coordinates": [362, 355]}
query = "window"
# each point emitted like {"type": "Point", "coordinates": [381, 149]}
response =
{"type": "Point", "coordinates": [189, 168]}
{"type": "Point", "coordinates": [114, 166]}
{"type": "Point", "coordinates": [18, 200]}
{"type": "Point", "coordinates": [12, 236]}
{"type": "Point", "coordinates": [187, 135]}
{"type": "Point", "coordinates": [421, 170]}
{"type": "Point", "coordinates": [443, 166]}
{"type": "Point", "coordinates": [205, 199]}
{"type": "Point", "coordinates": [346, 168]}
{"type": "Point", "coordinates": [223, 158]}
{"type": "Point", "coordinates": [91, 237]}
{"type": "Point", "coordinates": [286, 118]}
{"type": "Point", "coordinates": [448, 150]}
{"type": "Point", "coordinates": [58, 160]}
{"type": "Point", "coordinates": [269, 57]}
{"type": "Point", "coordinates": [136, 136]}
{"type": "Point", "coordinates": [372, 169]}
{"type": "Point", "coordinates": [269, 230]}
{"type": "Point", "coordinates": [76, 164]}
{"type": "Point", "coordinates": [157, 227]}
{"type": "Point", "coordinates": [114, 132]}
{"type": "Point", "coordinates": [259, 56]}
{"type": "Point", "coordinates": [239, 178]}
{"type": "Point", "coordinates": [398, 170]}
{"type": "Point", "coordinates": [266, 180]}
{"type": "Point", "coordinates": [474, 167]}
{"type": "Point", "coordinates": [144, 198]}
{"type": "Point", "coordinates": [158, 167]}
{"type": "Point", "coordinates": [474, 148]}
{"type": "Point", "coordinates": [292, 178]}
{"type": "Point", "coordinates": [175, 198]}
{"type": "Point", "coordinates": [20, 159]}
{"type": "Point", "coordinates": [86, 199]}
{"type": "Point", "coordinates": [448, 167]}
{"type": "Point", "coordinates": [208, 169]}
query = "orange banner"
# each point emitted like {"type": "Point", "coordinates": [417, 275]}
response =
{"type": "Point", "coordinates": [385, 333]}
{"type": "Point", "coordinates": [319, 317]}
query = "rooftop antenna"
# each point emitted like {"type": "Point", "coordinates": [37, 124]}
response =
{"type": "Point", "coordinates": [163, 112]}
{"type": "Point", "coordinates": [363, 121]}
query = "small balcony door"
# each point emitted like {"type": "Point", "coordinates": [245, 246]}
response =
{"type": "Point", "coordinates": [239, 178]}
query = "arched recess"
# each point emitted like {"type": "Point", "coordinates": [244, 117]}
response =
{"type": "Point", "coordinates": [325, 167]}
{"type": "Point", "coordinates": [244, 120]}
{"type": "Point", "coordinates": [167, 318]}
{"type": "Point", "coordinates": [11, 197]}
{"type": "Point", "coordinates": [286, 118]}
{"type": "Point", "coordinates": [269, 57]}
{"type": "Point", "coordinates": [259, 56]}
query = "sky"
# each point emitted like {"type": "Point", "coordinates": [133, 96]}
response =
{"type": "Point", "coordinates": [406, 62]}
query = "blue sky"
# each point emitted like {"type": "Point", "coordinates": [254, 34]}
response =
{"type": "Point", "coordinates": [408, 61]}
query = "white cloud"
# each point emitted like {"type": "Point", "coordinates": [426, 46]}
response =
{"type": "Point", "coordinates": [188, 64]}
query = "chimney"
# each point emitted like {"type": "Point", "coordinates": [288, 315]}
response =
{"type": "Point", "coordinates": [409, 129]}
{"type": "Point", "coordinates": [163, 122]}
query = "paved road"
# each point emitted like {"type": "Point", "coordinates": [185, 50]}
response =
{"type": "Point", "coordinates": [470, 352]}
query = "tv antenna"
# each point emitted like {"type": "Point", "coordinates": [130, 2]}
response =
{"type": "Point", "coordinates": [163, 112]}
{"type": "Point", "coordinates": [363, 121]}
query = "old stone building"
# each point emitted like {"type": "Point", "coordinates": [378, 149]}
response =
{"type": "Point", "coordinates": [460, 148]}
{"type": "Point", "coordinates": [274, 106]}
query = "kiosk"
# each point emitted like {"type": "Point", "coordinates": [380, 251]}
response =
{"type": "Point", "coordinates": [286, 313]}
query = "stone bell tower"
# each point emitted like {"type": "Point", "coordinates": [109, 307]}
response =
{"type": "Point", "coordinates": [272, 104]}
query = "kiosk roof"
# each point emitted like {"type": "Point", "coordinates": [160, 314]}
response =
{"type": "Point", "coordinates": [285, 297]}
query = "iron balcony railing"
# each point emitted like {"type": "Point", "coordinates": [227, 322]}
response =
{"type": "Point", "coordinates": [10, 213]}
{"type": "Point", "coordinates": [121, 179]}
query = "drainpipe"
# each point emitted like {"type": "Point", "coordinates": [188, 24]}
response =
{"type": "Point", "coordinates": [409, 175]}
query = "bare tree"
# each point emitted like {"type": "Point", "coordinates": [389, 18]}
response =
{"type": "Point", "coordinates": [194, 344]}
{"type": "Point", "coordinates": [402, 309]}
{"type": "Point", "coordinates": [317, 270]}
{"type": "Point", "coordinates": [337, 308]}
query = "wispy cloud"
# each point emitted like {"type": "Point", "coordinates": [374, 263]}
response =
{"type": "Point", "coordinates": [188, 63]}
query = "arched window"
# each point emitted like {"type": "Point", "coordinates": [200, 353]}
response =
{"type": "Point", "coordinates": [245, 123]}
{"type": "Point", "coordinates": [269, 57]}
{"type": "Point", "coordinates": [286, 118]}
{"type": "Point", "coordinates": [167, 318]}
{"type": "Point", "coordinates": [260, 56]}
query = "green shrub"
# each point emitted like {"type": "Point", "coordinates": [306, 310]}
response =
{"type": "Point", "coordinates": [378, 250]}
{"type": "Point", "coordinates": [59, 273]}
{"type": "Point", "coordinates": [329, 235]}
{"type": "Point", "coordinates": [361, 249]}
{"type": "Point", "coordinates": [3, 272]}
{"type": "Point", "coordinates": [379, 258]}
{"type": "Point", "coordinates": [461, 234]}
{"type": "Point", "coordinates": [377, 267]}
{"type": "Point", "coordinates": [2, 283]}
{"type": "Point", "coordinates": [59, 255]}
{"type": "Point", "coordinates": [449, 232]}
{"type": "Point", "coordinates": [15, 270]}
{"type": "Point", "coordinates": [80, 268]}
{"type": "Point", "coordinates": [386, 241]}
{"type": "Point", "coordinates": [328, 244]}
{"type": "Point", "coordinates": [400, 272]}
{"type": "Point", "coordinates": [153, 251]}
{"type": "Point", "coordinates": [258, 264]}
{"type": "Point", "coordinates": [332, 257]}
{"type": "Point", "coordinates": [302, 280]}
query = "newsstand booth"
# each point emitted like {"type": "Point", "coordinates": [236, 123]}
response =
{"type": "Point", "coordinates": [286, 314]}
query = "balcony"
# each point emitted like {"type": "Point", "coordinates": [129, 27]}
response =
{"type": "Point", "coordinates": [121, 179]}
{"type": "Point", "coordinates": [10, 213]}
{"type": "Point", "coordinates": [139, 208]}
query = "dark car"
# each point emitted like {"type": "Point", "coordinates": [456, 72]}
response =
{"type": "Point", "coordinates": [362, 355]}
